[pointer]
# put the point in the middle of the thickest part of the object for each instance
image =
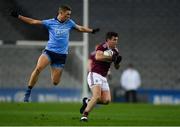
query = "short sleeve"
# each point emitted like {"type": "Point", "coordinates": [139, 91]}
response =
{"type": "Point", "coordinates": [73, 24]}
{"type": "Point", "coordinates": [92, 55]}
{"type": "Point", "coordinates": [46, 23]}
{"type": "Point", "coordinates": [100, 47]}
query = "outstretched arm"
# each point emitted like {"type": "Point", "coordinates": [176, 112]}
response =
{"type": "Point", "coordinates": [28, 20]}
{"type": "Point", "coordinates": [86, 29]}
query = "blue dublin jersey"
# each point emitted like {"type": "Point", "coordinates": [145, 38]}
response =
{"type": "Point", "coordinates": [58, 35]}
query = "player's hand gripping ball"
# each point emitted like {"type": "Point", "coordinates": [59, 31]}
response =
{"type": "Point", "coordinates": [108, 52]}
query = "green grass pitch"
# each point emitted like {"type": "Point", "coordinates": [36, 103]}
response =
{"type": "Point", "coordinates": [67, 114]}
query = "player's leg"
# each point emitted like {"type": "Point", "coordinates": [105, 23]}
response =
{"type": "Point", "coordinates": [95, 82]}
{"type": "Point", "coordinates": [99, 97]}
{"type": "Point", "coordinates": [57, 64]}
{"type": "Point", "coordinates": [105, 93]}
{"type": "Point", "coordinates": [43, 61]}
{"type": "Point", "coordinates": [96, 96]}
{"type": "Point", "coordinates": [56, 74]}
{"type": "Point", "coordinates": [105, 97]}
{"type": "Point", "coordinates": [84, 104]}
{"type": "Point", "coordinates": [92, 79]}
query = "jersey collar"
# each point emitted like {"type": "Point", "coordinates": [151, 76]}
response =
{"type": "Point", "coordinates": [59, 20]}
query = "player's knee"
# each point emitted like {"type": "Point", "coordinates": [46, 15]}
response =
{"type": "Point", "coordinates": [37, 70]}
{"type": "Point", "coordinates": [107, 102]}
{"type": "Point", "coordinates": [55, 83]}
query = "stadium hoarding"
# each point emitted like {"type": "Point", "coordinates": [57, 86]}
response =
{"type": "Point", "coordinates": [41, 95]}
{"type": "Point", "coordinates": [74, 95]}
{"type": "Point", "coordinates": [153, 96]}
{"type": "Point", "coordinates": [161, 96]}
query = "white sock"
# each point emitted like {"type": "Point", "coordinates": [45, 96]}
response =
{"type": "Point", "coordinates": [87, 100]}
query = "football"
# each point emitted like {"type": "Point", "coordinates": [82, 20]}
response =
{"type": "Point", "coordinates": [108, 52]}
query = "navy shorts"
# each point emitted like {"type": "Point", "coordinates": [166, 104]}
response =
{"type": "Point", "coordinates": [57, 60]}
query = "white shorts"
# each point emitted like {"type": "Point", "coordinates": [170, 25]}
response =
{"type": "Point", "coordinates": [97, 79]}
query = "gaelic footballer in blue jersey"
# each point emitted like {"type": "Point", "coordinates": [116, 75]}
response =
{"type": "Point", "coordinates": [57, 46]}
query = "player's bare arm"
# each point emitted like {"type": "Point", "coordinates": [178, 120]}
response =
{"type": "Point", "coordinates": [28, 20]}
{"type": "Point", "coordinates": [86, 29]}
{"type": "Point", "coordinates": [101, 57]}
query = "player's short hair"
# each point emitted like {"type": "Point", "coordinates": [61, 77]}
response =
{"type": "Point", "coordinates": [109, 35]}
{"type": "Point", "coordinates": [65, 8]}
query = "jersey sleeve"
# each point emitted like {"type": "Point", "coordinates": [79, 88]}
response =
{"type": "Point", "coordinates": [73, 24]}
{"type": "Point", "coordinates": [92, 55]}
{"type": "Point", "coordinates": [101, 48]}
{"type": "Point", "coordinates": [46, 22]}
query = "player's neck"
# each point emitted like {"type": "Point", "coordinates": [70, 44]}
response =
{"type": "Point", "coordinates": [109, 47]}
{"type": "Point", "coordinates": [60, 19]}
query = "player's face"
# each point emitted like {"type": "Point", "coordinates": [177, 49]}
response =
{"type": "Point", "coordinates": [113, 42]}
{"type": "Point", "coordinates": [65, 15]}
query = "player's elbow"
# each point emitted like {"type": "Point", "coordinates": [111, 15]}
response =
{"type": "Point", "coordinates": [79, 28]}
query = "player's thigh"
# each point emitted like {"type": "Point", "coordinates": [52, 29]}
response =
{"type": "Point", "coordinates": [56, 73]}
{"type": "Point", "coordinates": [105, 94]}
{"type": "Point", "coordinates": [96, 91]}
{"type": "Point", "coordinates": [43, 61]}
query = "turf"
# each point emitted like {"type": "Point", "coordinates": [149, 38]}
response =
{"type": "Point", "coordinates": [67, 114]}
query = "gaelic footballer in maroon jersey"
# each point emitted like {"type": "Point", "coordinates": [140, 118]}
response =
{"type": "Point", "coordinates": [97, 80]}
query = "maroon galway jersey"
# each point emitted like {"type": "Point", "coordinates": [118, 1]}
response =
{"type": "Point", "coordinates": [92, 55]}
{"type": "Point", "coordinates": [101, 67]}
